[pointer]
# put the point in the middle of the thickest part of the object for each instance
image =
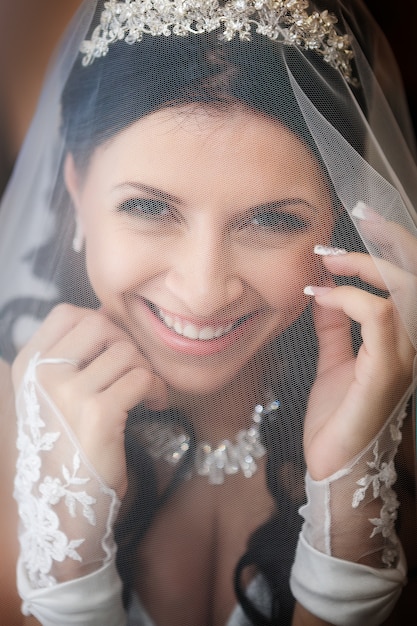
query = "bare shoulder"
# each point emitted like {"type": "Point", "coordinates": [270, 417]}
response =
{"type": "Point", "coordinates": [9, 601]}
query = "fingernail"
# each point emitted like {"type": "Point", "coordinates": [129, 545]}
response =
{"type": "Point", "coordinates": [315, 290]}
{"type": "Point", "coordinates": [328, 251]}
{"type": "Point", "coordinates": [363, 212]}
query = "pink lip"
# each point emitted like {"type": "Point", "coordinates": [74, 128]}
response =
{"type": "Point", "coordinates": [195, 347]}
{"type": "Point", "coordinates": [198, 323]}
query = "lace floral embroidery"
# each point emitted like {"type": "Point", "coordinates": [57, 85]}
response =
{"type": "Point", "coordinates": [381, 478]}
{"type": "Point", "coordinates": [42, 540]}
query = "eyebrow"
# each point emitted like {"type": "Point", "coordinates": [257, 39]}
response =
{"type": "Point", "coordinates": [153, 191]}
{"type": "Point", "coordinates": [285, 202]}
{"type": "Point", "coordinates": [274, 205]}
{"type": "Point", "coordinates": [167, 197]}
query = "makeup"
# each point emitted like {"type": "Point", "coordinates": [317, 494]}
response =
{"type": "Point", "coordinates": [179, 334]}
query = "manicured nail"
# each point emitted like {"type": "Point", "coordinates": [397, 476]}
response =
{"type": "Point", "coordinates": [315, 290]}
{"type": "Point", "coordinates": [328, 251]}
{"type": "Point", "coordinates": [363, 212]}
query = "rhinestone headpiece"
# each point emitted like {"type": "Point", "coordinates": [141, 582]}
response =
{"type": "Point", "coordinates": [284, 20]}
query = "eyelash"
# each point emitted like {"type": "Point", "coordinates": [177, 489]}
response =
{"type": "Point", "coordinates": [273, 221]}
{"type": "Point", "coordinates": [146, 208]}
{"type": "Point", "coordinates": [278, 222]}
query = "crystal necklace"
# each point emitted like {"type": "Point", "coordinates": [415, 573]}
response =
{"type": "Point", "coordinates": [214, 462]}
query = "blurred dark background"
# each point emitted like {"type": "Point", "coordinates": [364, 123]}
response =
{"type": "Point", "coordinates": [398, 20]}
{"type": "Point", "coordinates": [30, 29]}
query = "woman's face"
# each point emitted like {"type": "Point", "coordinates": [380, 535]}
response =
{"type": "Point", "coordinates": [199, 232]}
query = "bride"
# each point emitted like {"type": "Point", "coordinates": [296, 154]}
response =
{"type": "Point", "coordinates": [208, 328]}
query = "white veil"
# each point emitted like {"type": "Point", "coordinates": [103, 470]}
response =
{"type": "Point", "coordinates": [348, 109]}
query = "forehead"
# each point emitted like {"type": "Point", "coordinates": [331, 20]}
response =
{"type": "Point", "coordinates": [185, 151]}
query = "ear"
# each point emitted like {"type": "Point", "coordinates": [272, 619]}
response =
{"type": "Point", "coordinates": [72, 181]}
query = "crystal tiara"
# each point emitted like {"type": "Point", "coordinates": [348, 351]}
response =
{"type": "Point", "coordinates": [284, 20]}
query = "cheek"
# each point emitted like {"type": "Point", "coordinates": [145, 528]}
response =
{"type": "Point", "coordinates": [117, 261]}
{"type": "Point", "coordinates": [281, 287]}
{"type": "Point", "coordinates": [281, 280]}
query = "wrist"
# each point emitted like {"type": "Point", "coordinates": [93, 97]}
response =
{"type": "Point", "coordinates": [343, 593]}
{"type": "Point", "coordinates": [94, 600]}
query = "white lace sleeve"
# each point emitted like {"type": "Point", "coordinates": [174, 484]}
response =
{"type": "Point", "coordinates": [66, 511]}
{"type": "Point", "coordinates": [349, 566]}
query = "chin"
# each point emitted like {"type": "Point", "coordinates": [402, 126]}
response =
{"type": "Point", "coordinates": [198, 383]}
{"type": "Point", "coordinates": [198, 388]}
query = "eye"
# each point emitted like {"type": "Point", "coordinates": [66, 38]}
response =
{"type": "Point", "coordinates": [277, 221]}
{"type": "Point", "coordinates": [145, 207]}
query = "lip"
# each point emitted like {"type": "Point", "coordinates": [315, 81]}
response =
{"type": "Point", "coordinates": [196, 347]}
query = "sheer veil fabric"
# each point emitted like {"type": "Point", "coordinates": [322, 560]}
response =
{"type": "Point", "coordinates": [199, 224]}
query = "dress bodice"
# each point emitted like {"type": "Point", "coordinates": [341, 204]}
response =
{"type": "Point", "coordinates": [257, 591]}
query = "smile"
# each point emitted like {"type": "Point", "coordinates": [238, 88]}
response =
{"type": "Point", "coordinates": [185, 328]}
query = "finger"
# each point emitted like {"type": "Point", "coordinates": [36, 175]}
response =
{"type": "Point", "coordinates": [94, 378]}
{"type": "Point", "coordinates": [376, 272]}
{"type": "Point", "coordinates": [397, 243]}
{"type": "Point", "coordinates": [135, 386]}
{"type": "Point", "coordinates": [99, 422]}
{"type": "Point", "coordinates": [383, 341]}
{"type": "Point", "coordinates": [101, 418]}
{"type": "Point", "coordinates": [113, 364]}
{"type": "Point", "coordinates": [85, 341]}
{"type": "Point", "coordinates": [333, 330]}
{"type": "Point", "coordinates": [115, 361]}
{"type": "Point", "coordinates": [385, 276]}
{"type": "Point", "coordinates": [370, 384]}
{"type": "Point", "coordinates": [56, 325]}
{"type": "Point", "coordinates": [373, 313]}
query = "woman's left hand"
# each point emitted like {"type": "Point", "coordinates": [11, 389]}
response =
{"type": "Point", "coordinates": [353, 396]}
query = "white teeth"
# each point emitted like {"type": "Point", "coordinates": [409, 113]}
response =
{"type": "Point", "coordinates": [208, 333]}
{"type": "Point", "coordinates": [192, 332]}
{"type": "Point", "coordinates": [168, 321]}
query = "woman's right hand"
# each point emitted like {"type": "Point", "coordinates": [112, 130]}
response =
{"type": "Point", "coordinates": [101, 376]}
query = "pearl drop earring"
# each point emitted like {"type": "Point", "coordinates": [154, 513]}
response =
{"type": "Point", "coordinates": [78, 241]}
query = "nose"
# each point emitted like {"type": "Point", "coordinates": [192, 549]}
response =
{"type": "Point", "coordinates": [202, 274]}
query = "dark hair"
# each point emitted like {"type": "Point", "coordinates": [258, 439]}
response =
{"type": "Point", "coordinates": [129, 83]}
{"type": "Point", "coordinates": [133, 81]}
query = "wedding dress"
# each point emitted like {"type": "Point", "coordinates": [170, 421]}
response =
{"type": "Point", "coordinates": [317, 74]}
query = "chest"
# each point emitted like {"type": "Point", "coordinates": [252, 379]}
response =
{"type": "Point", "coordinates": [186, 562]}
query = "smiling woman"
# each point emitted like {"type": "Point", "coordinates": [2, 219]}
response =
{"type": "Point", "coordinates": [211, 323]}
{"type": "Point", "coordinates": [233, 230]}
